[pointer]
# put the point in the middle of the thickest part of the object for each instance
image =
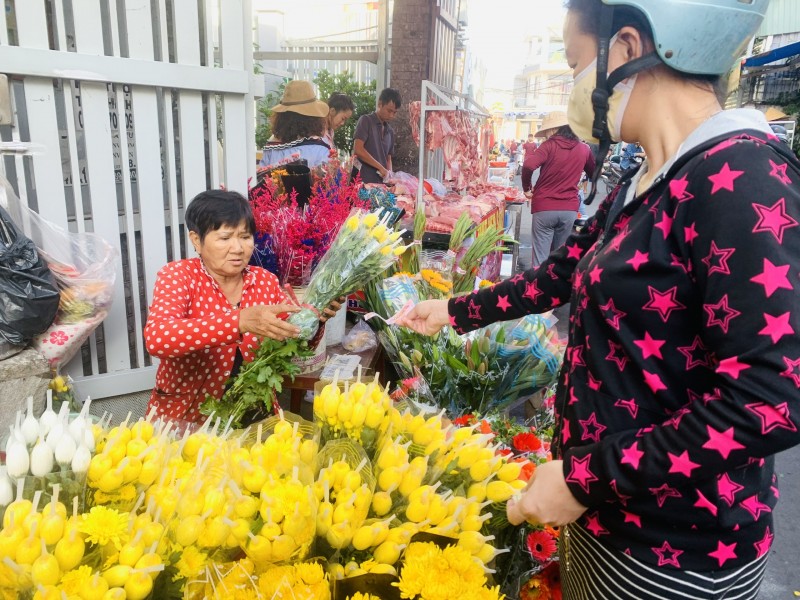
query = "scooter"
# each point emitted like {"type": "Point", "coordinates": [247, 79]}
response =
{"type": "Point", "coordinates": [612, 171]}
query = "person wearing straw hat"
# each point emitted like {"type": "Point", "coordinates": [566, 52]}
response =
{"type": "Point", "coordinates": [554, 201]}
{"type": "Point", "coordinates": [298, 126]}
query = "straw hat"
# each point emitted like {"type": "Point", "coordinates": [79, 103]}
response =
{"type": "Point", "coordinates": [300, 97]}
{"type": "Point", "coordinates": [553, 120]}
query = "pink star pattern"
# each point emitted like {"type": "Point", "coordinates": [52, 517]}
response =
{"type": "Point", "coordinates": [732, 366]}
{"type": "Point", "coordinates": [519, 277]}
{"type": "Point", "coordinates": [639, 259]}
{"type": "Point", "coordinates": [551, 271]}
{"type": "Point", "coordinates": [594, 274]}
{"type": "Point", "coordinates": [474, 311]}
{"type": "Point", "coordinates": [773, 278]}
{"type": "Point", "coordinates": [792, 370]}
{"type": "Point", "coordinates": [717, 260]}
{"type": "Point", "coordinates": [629, 405]}
{"type": "Point", "coordinates": [675, 420]}
{"type": "Point", "coordinates": [720, 314]}
{"type": "Point", "coordinates": [623, 499]}
{"type": "Point", "coordinates": [722, 441]}
{"type": "Point", "coordinates": [577, 356]}
{"type": "Point", "coordinates": [664, 492]}
{"type": "Point", "coordinates": [696, 355]}
{"type": "Point", "coordinates": [616, 243]}
{"type": "Point", "coordinates": [654, 382]}
{"type": "Point", "coordinates": [503, 303]}
{"type": "Point", "coordinates": [724, 552]}
{"type": "Point", "coordinates": [574, 251]}
{"type": "Point", "coordinates": [617, 355]}
{"type": "Point", "coordinates": [565, 432]}
{"type": "Point", "coordinates": [724, 179]}
{"type": "Point", "coordinates": [690, 233]}
{"type": "Point", "coordinates": [681, 463]}
{"type": "Point", "coordinates": [612, 314]}
{"type": "Point", "coordinates": [663, 302]}
{"type": "Point", "coordinates": [678, 189]}
{"type": "Point", "coordinates": [632, 518]}
{"type": "Point", "coordinates": [632, 456]}
{"type": "Point", "coordinates": [580, 472]}
{"type": "Point", "coordinates": [532, 291]}
{"type": "Point", "coordinates": [777, 327]}
{"type": "Point", "coordinates": [452, 321]}
{"type": "Point", "coordinates": [665, 224]}
{"type": "Point", "coordinates": [727, 488]}
{"type": "Point", "coordinates": [774, 219]}
{"type": "Point", "coordinates": [649, 346]}
{"type": "Point", "coordinates": [754, 506]}
{"type": "Point", "coordinates": [764, 544]}
{"type": "Point", "coordinates": [703, 502]}
{"type": "Point", "coordinates": [591, 428]}
{"type": "Point", "coordinates": [772, 417]}
{"type": "Point", "coordinates": [779, 172]}
{"type": "Point", "coordinates": [594, 384]}
{"type": "Point", "coordinates": [667, 555]}
{"type": "Point", "coordinates": [593, 525]}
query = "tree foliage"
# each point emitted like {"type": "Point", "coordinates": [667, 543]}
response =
{"type": "Point", "coordinates": [791, 106]}
{"type": "Point", "coordinates": [363, 95]}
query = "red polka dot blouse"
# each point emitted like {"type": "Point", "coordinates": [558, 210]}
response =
{"type": "Point", "coordinates": [194, 331]}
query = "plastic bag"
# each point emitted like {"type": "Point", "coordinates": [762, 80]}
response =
{"type": "Point", "coordinates": [84, 268]}
{"type": "Point", "coordinates": [29, 296]}
{"type": "Point", "coordinates": [360, 338]}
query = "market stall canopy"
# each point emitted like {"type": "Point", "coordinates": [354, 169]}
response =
{"type": "Point", "coordinates": [775, 114]}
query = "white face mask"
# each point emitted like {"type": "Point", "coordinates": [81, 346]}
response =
{"type": "Point", "coordinates": [581, 110]}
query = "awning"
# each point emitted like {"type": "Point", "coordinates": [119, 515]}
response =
{"type": "Point", "coordinates": [766, 58]}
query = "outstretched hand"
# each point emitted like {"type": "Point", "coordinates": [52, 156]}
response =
{"type": "Point", "coordinates": [547, 499]}
{"type": "Point", "coordinates": [427, 317]}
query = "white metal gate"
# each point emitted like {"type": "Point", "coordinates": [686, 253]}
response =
{"type": "Point", "coordinates": [140, 105]}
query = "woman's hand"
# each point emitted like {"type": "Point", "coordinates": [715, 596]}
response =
{"type": "Point", "coordinates": [427, 317]}
{"type": "Point", "coordinates": [332, 309]}
{"type": "Point", "coordinates": [262, 320]}
{"type": "Point", "coordinates": [547, 499]}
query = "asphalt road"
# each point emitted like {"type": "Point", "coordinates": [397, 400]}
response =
{"type": "Point", "coordinates": [782, 577]}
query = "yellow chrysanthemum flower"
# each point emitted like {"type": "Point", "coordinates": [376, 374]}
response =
{"type": "Point", "coordinates": [103, 525]}
{"type": "Point", "coordinates": [73, 581]}
{"type": "Point", "coordinates": [309, 573]}
{"type": "Point", "coordinates": [360, 596]}
{"type": "Point", "coordinates": [191, 564]}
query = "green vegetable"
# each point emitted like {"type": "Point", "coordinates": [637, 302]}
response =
{"type": "Point", "coordinates": [259, 381]}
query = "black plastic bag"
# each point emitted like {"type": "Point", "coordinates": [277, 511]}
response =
{"type": "Point", "coordinates": [29, 295]}
{"type": "Point", "coordinates": [298, 180]}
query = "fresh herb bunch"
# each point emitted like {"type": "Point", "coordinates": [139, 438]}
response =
{"type": "Point", "coordinates": [259, 381]}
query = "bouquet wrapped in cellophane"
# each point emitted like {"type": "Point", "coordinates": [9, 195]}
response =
{"type": "Point", "coordinates": [363, 249]}
{"type": "Point", "coordinates": [483, 371]}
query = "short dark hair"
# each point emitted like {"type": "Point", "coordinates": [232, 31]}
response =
{"type": "Point", "coordinates": [390, 95]}
{"type": "Point", "coordinates": [290, 126]}
{"type": "Point", "coordinates": [589, 12]}
{"type": "Point", "coordinates": [565, 131]}
{"type": "Point", "coordinates": [210, 210]}
{"type": "Point", "coordinates": [340, 102]}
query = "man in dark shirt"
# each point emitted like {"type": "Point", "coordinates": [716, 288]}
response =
{"type": "Point", "coordinates": [374, 138]}
{"type": "Point", "coordinates": [529, 147]}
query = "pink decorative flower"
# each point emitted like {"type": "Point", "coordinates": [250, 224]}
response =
{"type": "Point", "coordinates": [58, 338]}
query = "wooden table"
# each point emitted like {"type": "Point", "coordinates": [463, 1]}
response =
{"type": "Point", "coordinates": [371, 359]}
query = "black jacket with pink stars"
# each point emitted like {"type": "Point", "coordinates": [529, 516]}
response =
{"type": "Point", "coordinates": [682, 374]}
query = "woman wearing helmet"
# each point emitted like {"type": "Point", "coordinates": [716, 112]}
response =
{"type": "Point", "coordinates": [681, 378]}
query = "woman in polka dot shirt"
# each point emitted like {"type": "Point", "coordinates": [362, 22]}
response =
{"type": "Point", "coordinates": [209, 313]}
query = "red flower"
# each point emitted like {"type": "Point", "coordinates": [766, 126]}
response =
{"type": "Point", "coordinates": [541, 545]}
{"type": "Point", "coordinates": [504, 452]}
{"type": "Point", "coordinates": [59, 338]}
{"type": "Point", "coordinates": [526, 442]}
{"type": "Point", "coordinates": [528, 469]}
{"type": "Point", "coordinates": [485, 427]}
{"type": "Point", "coordinates": [463, 420]}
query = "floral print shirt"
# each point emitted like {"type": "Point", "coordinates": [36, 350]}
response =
{"type": "Point", "coordinates": [682, 374]}
{"type": "Point", "coordinates": [194, 331]}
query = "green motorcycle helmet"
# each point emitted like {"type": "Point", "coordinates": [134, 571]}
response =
{"type": "Point", "coordinates": [700, 37]}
